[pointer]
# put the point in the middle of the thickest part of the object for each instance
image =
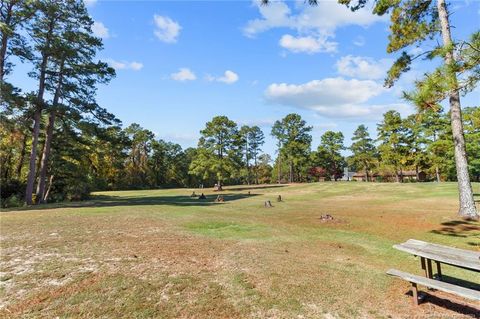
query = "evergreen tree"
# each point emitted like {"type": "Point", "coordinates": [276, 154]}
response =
{"type": "Point", "coordinates": [393, 148]}
{"type": "Point", "coordinates": [218, 151]}
{"type": "Point", "coordinates": [294, 138]}
{"type": "Point", "coordinates": [364, 151]}
{"type": "Point", "coordinates": [329, 154]}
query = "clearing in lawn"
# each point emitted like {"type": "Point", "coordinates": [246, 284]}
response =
{"type": "Point", "coordinates": [162, 253]}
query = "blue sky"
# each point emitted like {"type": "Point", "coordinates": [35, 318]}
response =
{"type": "Point", "coordinates": [180, 63]}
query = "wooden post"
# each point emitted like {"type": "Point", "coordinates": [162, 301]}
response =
{"type": "Point", "coordinates": [422, 262]}
{"type": "Point", "coordinates": [429, 268]}
{"type": "Point", "coordinates": [439, 270]}
{"type": "Point", "coordinates": [415, 293]}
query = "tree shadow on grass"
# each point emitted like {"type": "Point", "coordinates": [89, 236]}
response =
{"type": "Point", "coordinates": [461, 228]}
{"type": "Point", "coordinates": [254, 187]}
{"type": "Point", "coordinates": [449, 304]}
{"type": "Point", "coordinates": [112, 201]}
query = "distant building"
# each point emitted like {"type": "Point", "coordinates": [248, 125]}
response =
{"type": "Point", "coordinates": [386, 177]}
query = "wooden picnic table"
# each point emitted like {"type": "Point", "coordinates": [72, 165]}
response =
{"type": "Point", "coordinates": [428, 252]}
{"type": "Point", "coordinates": [439, 254]}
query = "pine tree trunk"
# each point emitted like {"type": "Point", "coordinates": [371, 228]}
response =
{"type": "Point", "coordinates": [290, 177]}
{"type": "Point", "coordinates": [437, 173]}
{"type": "Point", "coordinates": [45, 156]}
{"type": "Point", "coordinates": [22, 156]}
{"type": "Point", "coordinates": [467, 203]}
{"type": "Point", "coordinates": [33, 156]}
{"type": "Point", "coordinates": [279, 167]}
{"type": "Point", "coordinates": [47, 193]}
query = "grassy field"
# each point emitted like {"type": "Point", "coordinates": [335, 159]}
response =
{"type": "Point", "coordinates": [162, 254]}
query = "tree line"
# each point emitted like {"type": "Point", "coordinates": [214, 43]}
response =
{"type": "Point", "coordinates": [58, 143]}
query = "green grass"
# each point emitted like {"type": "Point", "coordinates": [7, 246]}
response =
{"type": "Point", "coordinates": [163, 254]}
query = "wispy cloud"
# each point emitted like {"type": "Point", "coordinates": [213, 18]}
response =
{"type": "Point", "coordinates": [124, 65]}
{"type": "Point", "coordinates": [229, 77]}
{"type": "Point", "coordinates": [183, 74]}
{"type": "Point", "coordinates": [166, 30]}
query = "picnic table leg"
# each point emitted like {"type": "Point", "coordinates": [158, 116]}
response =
{"type": "Point", "coordinates": [429, 269]}
{"type": "Point", "coordinates": [415, 293]}
{"type": "Point", "coordinates": [422, 262]}
{"type": "Point", "coordinates": [439, 270]}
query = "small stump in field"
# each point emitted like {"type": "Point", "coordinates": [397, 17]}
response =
{"type": "Point", "coordinates": [219, 199]}
{"type": "Point", "coordinates": [202, 196]}
{"type": "Point", "coordinates": [268, 204]}
{"type": "Point", "coordinates": [326, 218]}
{"type": "Point", "coordinates": [279, 198]}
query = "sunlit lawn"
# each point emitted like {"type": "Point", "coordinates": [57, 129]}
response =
{"type": "Point", "coordinates": [160, 253]}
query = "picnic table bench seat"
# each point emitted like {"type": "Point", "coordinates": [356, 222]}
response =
{"type": "Point", "coordinates": [434, 284]}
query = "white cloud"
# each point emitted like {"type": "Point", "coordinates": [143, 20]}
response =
{"type": "Point", "coordinates": [363, 67]}
{"type": "Point", "coordinates": [308, 44]}
{"type": "Point", "coordinates": [332, 97]}
{"type": "Point", "coordinates": [166, 29]}
{"type": "Point", "coordinates": [124, 65]}
{"type": "Point", "coordinates": [316, 22]}
{"type": "Point", "coordinates": [228, 77]}
{"type": "Point", "coordinates": [100, 30]}
{"type": "Point", "coordinates": [184, 74]}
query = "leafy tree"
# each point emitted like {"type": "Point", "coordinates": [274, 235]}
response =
{"type": "Point", "coordinates": [364, 151]}
{"type": "Point", "coordinates": [137, 166]}
{"type": "Point", "coordinates": [218, 150]}
{"type": "Point", "coordinates": [263, 169]}
{"type": "Point", "coordinates": [329, 155]}
{"type": "Point", "coordinates": [393, 148]}
{"type": "Point", "coordinates": [294, 138]}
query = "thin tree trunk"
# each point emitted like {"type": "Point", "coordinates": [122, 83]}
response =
{"type": "Point", "coordinates": [256, 168]}
{"type": "Point", "coordinates": [279, 166]}
{"type": "Point", "coordinates": [467, 203]}
{"type": "Point", "coordinates": [22, 156]}
{"type": "Point", "coordinates": [290, 177]}
{"type": "Point", "coordinates": [50, 182]}
{"type": "Point", "coordinates": [33, 156]}
{"type": "Point", "coordinates": [437, 173]}
{"type": "Point", "coordinates": [366, 175]}
{"type": "Point", "coordinates": [417, 173]}
{"type": "Point", "coordinates": [44, 161]}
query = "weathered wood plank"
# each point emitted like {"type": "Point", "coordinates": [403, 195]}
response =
{"type": "Point", "coordinates": [448, 255]}
{"type": "Point", "coordinates": [435, 284]}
